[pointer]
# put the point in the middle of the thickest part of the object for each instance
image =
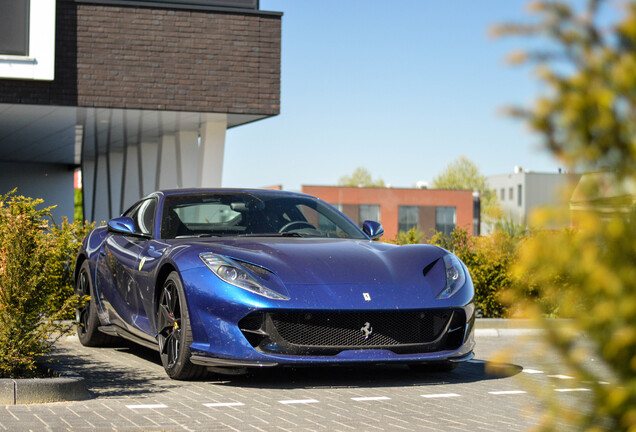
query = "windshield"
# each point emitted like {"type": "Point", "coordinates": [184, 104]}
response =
{"type": "Point", "coordinates": [249, 214]}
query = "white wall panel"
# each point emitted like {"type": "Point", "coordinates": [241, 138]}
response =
{"type": "Point", "coordinates": [149, 155]}
{"type": "Point", "coordinates": [189, 158]}
{"type": "Point", "coordinates": [131, 177]}
{"type": "Point", "coordinates": [102, 211]}
{"type": "Point", "coordinates": [126, 170]}
{"type": "Point", "coordinates": [167, 171]}
{"type": "Point", "coordinates": [116, 164]}
{"type": "Point", "coordinates": [211, 152]}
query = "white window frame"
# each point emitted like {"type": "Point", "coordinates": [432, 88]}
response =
{"type": "Point", "coordinates": [40, 63]}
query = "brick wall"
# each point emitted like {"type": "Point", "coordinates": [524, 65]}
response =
{"type": "Point", "coordinates": [391, 198]}
{"type": "Point", "coordinates": [152, 58]}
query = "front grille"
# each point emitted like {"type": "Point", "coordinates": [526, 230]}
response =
{"type": "Point", "coordinates": [325, 333]}
{"type": "Point", "coordinates": [348, 328]}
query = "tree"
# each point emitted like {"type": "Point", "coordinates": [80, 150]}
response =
{"type": "Point", "coordinates": [586, 117]}
{"type": "Point", "coordinates": [464, 174]}
{"type": "Point", "coordinates": [361, 177]}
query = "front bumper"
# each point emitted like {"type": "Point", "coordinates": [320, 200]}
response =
{"type": "Point", "coordinates": [219, 313]}
{"type": "Point", "coordinates": [455, 346]}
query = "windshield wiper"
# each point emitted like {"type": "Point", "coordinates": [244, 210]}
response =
{"type": "Point", "coordinates": [285, 234]}
{"type": "Point", "coordinates": [198, 235]}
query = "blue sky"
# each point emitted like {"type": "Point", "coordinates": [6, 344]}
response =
{"type": "Point", "coordinates": [401, 88]}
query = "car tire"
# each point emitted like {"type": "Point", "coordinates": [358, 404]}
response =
{"type": "Point", "coordinates": [86, 316]}
{"type": "Point", "coordinates": [174, 334]}
{"type": "Point", "coordinates": [441, 366]}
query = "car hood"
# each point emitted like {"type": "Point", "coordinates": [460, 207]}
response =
{"type": "Point", "coordinates": [313, 261]}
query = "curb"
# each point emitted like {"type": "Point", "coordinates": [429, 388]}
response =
{"type": "Point", "coordinates": [499, 327]}
{"type": "Point", "coordinates": [66, 386]}
{"type": "Point", "coordinates": [492, 332]}
{"type": "Point", "coordinates": [507, 323]}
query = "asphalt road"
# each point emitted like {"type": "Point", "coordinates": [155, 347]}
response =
{"type": "Point", "coordinates": [132, 393]}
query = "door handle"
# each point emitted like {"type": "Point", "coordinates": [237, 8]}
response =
{"type": "Point", "coordinates": [154, 252]}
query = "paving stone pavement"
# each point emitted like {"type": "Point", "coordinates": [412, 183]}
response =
{"type": "Point", "coordinates": [132, 393]}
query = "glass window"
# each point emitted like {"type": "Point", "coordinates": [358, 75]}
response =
{"type": "Point", "coordinates": [14, 27]}
{"type": "Point", "coordinates": [445, 219]}
{"type": "Point", "coordinates": [408, 217]}
{"type": "Point", "coordinates": [252, 214]}
{"type": "Point", "coordinates": [315, 219]}
{"type": "Point", "coordinates": [519, 195]}
{"type": "Point", "coordinates": [369, 212]}
{"type": "Point", "coordinates": [502, 194]}
{"type": "Point", "coordinates": [510, 192]}
{"type": "Point", "coordinates": [144, 215]}
{"type": "Point", "coordinates": [206, 213]}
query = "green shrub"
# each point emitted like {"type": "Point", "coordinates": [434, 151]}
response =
{"type": "Point", "coordinates": [585, 116]}
{"type": "Point", "coordinates": [78, 214]}
{"type": "Point", "coordinates": [26, 322]}
{"type": "Point", "coordinates": [511, 228]}
{"type": "Point", "coordinates": [586, 275]}
{"type": "Point", "coordinates": [412, 236]}
{"type": "Point", "coordinates": [36, 286]}
{"type": "Point", "coordinates": [488, 259]}
{"type": "Point", "coordinates": [64, 242]}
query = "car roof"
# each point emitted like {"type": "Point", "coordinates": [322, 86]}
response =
{"type": "Point", "coordinates": [257, 192]}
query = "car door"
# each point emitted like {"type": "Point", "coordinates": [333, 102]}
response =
{"type": "Point", "coordinates": [118, 271]}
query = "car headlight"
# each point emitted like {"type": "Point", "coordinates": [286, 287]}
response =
{"type": "Point", "coordinates": [455, 276]}
{"type": "Point", "coordinates": [235, 275]}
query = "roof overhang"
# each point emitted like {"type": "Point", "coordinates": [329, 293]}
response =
{"type": "Point", "coordinates": [53, 134]}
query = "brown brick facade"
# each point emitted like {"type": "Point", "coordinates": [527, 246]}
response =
{"type": "Point", "coordinates": [157, 58]}
{"type": "Point", "coordinates": [390, 200]}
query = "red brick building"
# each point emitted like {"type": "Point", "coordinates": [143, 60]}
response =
{"type": "Point", "coordinates": [396, 209]}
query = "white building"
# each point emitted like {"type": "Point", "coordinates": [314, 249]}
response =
{"type": "Point", "coordinates": [523, 191]}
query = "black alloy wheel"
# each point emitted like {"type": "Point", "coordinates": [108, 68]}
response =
{"type": "Point", "coordinates": [169, 319]}
{"type": "Point", "coordinates": [173, 333]}
{"type": "Point", "coordinates": [86, 315]}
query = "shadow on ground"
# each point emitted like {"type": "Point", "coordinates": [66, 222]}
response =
{"type": "Point", "coordinates": [107, 379]}
{"type": "Point", "coordinates": [364, 376]}
{"type": "Point", "coordinates": [110, 379]}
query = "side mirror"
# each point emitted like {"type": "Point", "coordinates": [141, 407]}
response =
{"type": "Point", "coordinates": [123, 225]}
{"type": "Point", "coordinates": [373, 229]}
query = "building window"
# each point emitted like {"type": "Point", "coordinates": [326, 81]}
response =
{"type": "Point", "coordinates": [477, 213]}
{"type": "Point", "coordinates": [510, 192]}
{"type": "Point", "coordinates": [502, 194]}
{"type": "Point", "coordinates": [408, 217]}
{"type": "Point", "coordinates": [369, 212]}
{"type": "Point", "coordinates": [14, 27]}
{"type": "Point", "coordinates": [27, 39]}
{"type": "Point", "coordinates": [519, 202]}
{"type": "Point", "coordinates": [445, 219]}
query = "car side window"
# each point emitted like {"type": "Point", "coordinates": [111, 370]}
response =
{"type": "Point", "coordinates": [144, 215]}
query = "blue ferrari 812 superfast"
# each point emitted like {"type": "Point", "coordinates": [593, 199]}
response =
{"type": "Point", "coordinates": [235, 278]}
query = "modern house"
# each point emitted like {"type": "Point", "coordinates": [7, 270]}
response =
{"type": "Point", "coordinates": [523, 191]}
{"type": "Point", "coordinates": [397, 209]}
{"type": "Point", "coordinates": [137, 93]}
